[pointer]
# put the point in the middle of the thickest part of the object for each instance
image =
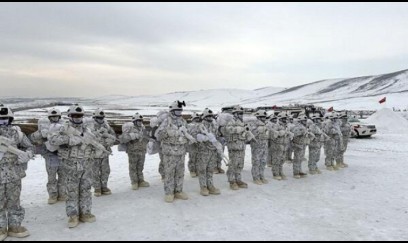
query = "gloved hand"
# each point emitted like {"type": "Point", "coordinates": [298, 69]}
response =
{"type": "Point", "coordinates": [281, 133]}
{"type": "Point", "coordinates": [23, 158]}
{"type": "Point", "coordinates": [202, 138]}
{"type": "Point", "coordinates": [109, 141]}
{"type": "Point", "coordinates": [134, 136]}
{"type": "Point", "coordinates": [211, 138]}
{"type": "Point", "coordinates": [239, 129]}
{"type": "Point", "coordinates": [75, 140]}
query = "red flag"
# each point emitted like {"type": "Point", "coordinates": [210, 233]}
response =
{"type": "Point", "coordinates": [382, 100]}
{"type": "Point", "coordinates": [274, 107]}
{"type": "Point", "coordinates": [330, 109]}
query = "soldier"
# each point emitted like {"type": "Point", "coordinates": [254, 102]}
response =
{"type": "Point", "coordinates": [136, 144]}
{"type": "Point", "coordinates": [221, 139]}
{"type": "Point", "coordinates": [13, 163]}
{"type": "Point", "coordinates": [107, 137]}
{"type": "Point", "coordinates": [278, 136]}
{"type": "Point", "coordinates": [315, 145]}
{"type": "Point", "coordinates": [207, 153]}
{"type": "Point", "coordinates": [329, 128]}
{"type": "Point", "coordinates": [236, 135]}
{"type": "Point", "coordinates": [74, 140]}
{"type": "Point", "coordinates": [345, 128]}
{"type": "Point", "coordinates": [259, 147]}
{"type": "Point", "coordinates": [173, 136]}
{"type": "Point", "coordinates": [56, 184]}
{"type": "Point", "coordinates": [192, 128]}
{"type": "Point", "coordinates": [299, 141]}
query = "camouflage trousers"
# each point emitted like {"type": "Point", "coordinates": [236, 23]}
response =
{"type": "Point", "coordinates": [342, 150]}
{"type": "Point", "coordinates": [136, 166]}
{"type": "Point", "coordinates": [299, 154]}
{"type": "Point", "coordinates": [277, 153]}
{"type": "Point", "coordinates": [314, 156]}
{"type": "Point", "coordinates": [259, 155]}
{"type": "Point", "coordinates": [161, 165]}
{"type": "Point", "coordinates": [56, 182]}
{"type": "Point", "coordinates": [192, 160]}
{"type": "Point", "coordinates": [329, 151]}
{"type": "Point", "coordinates": [79, 182]}
{"type": "Point", "coordinates": [100, 172]}
{"type": "Point", "coordinates": [173, 173]}
{"type": "Point", "coordinates": [236, 165]}
{"type": "Point", "coordinates": [11, 213]}
{"type": "Point", "coordinates": [206, 162]}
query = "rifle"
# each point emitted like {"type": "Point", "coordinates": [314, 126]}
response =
{"type": "Point", "coordinates": [87, 139]}
{"type": "Point", "coordinates": [215, 143]}
{"type": "Point", "coordinates": [105, 134]}
{"type": "Point", "coordinates": [6, 145]}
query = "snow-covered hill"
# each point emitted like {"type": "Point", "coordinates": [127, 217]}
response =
{"type": "Point", "coordinates": [351, 93]}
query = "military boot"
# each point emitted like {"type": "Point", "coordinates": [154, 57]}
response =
{"type": "Point", "coordinates": [193, 174]}
{"type": "Point", "coordinates": [18, 231]}
{"type": "Point", "coordinates": [213, 190]}
{"type": "Point", "coordinates": [106, 191]}
{"type": "Point", "coordinates": [297, 176]}
{"type": "Point", "coordinates": [336, 167]}
{"type": "Point", "coordinates": [221, 171]}
{"type": "Point", "coordinates": [283, 176]}
{"type": "Point", "coordinates": [135, 186]}
{"type": "Point", "coordinates": [144, 184]}
{"type": "Point", "coordinates": [312, 172]}
{"type": "Point", "coordinates": [302, 175]}
{"type": "Point", "coordinates": [87, 218]}
{"type": "Point", "coordinates": [62, 198]}
{"type": "Point", "coordinates": [242, 184]}
{"type": "Point", "coordinates": [258, 182]}
{"type": "Point", "coordinates": [330, 168]}
{"type": "Point", "coordinates": [73, 221]}
{"type": "Point", "coordinates": [97, 192]}
{"type": "Point", "coordinates": [169, 198]}
{"type": "Point", "coordinates": [52, 200]}
{"type": "Point", "coordinates": [181, 195]}
{"type": "Point", "coordinates": [3, 234]}
{"type": "Point", "coordinates": [234, 186]}
{"type": "Point", "coordinates": [277, 178]}
{"type": "Point", "coordinates": [264, 181]}
{"type": "Point", "coordinates": [204, 191]}
{"type": "Point", "coordinates": [318, 171]}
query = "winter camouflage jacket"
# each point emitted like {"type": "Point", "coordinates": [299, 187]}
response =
{"type": "Point", "coordinates": [10, 168]}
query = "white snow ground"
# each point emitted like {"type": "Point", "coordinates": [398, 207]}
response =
{"type": "Point", "coordinates": [367, 201]}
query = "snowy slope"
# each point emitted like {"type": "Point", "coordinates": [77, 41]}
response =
{"type": "Point", "coordinates": [389, 121]}
{"type": "Point", "coordinates": [332, 91]}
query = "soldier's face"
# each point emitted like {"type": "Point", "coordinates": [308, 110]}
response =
{"type": "Point", "coordinates": [262, 118]}
{"type": "Point", "coordinates": [239, 115]}
{"type": "Point", "coordinates": [54, 119]}
{"type": "Point", "coordinates": [77, 118]}
{"type": "Point", "coordinates": [177, 113]}
{"type": "Point", "coordinates": [209, 118]}
{"type": "Point", "coordinates": [138, 123]}
{"type": "Point", "coordinates": [99, 119]}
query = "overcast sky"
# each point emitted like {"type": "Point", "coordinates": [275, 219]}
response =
{"type": "Point", "coordinates": [97, 49]}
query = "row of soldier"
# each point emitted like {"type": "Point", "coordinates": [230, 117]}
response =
{"type": "Point", "coordinates": [77, 153]}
